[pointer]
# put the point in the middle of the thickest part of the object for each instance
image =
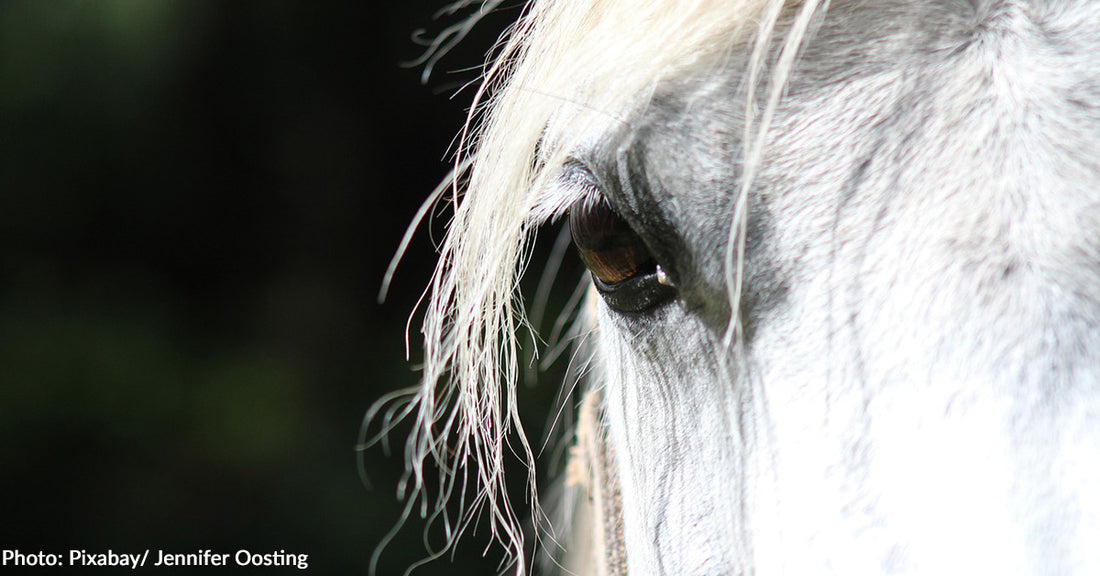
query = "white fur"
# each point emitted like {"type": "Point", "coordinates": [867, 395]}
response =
{"type": "Point", "coordinates": [925, 403]}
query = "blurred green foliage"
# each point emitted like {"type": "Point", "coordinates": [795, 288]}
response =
{"type": "Point", "coordinates": [197, 201]}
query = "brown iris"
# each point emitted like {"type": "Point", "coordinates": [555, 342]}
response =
{"type": "Point", "coordinates": [607, 245]}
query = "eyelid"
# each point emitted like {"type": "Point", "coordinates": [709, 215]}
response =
{"type": "Point", "coordinates": [575, 175]}
{"type": "Point", "coordinates": [574, 182]}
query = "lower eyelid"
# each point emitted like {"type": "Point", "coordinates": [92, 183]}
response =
{"type": "Point", "coordinates": [637, 294]}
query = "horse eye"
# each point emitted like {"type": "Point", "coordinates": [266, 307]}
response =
{"type": "Point", "coordinates": [623, 269]}
{"type": "Point", "coordinates": [607, 245]}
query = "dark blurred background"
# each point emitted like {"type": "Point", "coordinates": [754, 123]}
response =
{"type": "Point", "coordinates": [198, 200]}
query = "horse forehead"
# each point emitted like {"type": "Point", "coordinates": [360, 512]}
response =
{"type": "Point", "coordinates": [999, 96]}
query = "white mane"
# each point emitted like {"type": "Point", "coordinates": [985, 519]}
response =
{"type": "Point", "coordinates": [565, 68]}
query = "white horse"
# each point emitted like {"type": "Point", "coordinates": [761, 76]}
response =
{"type": "Point", "coordinates": [844, 308]}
